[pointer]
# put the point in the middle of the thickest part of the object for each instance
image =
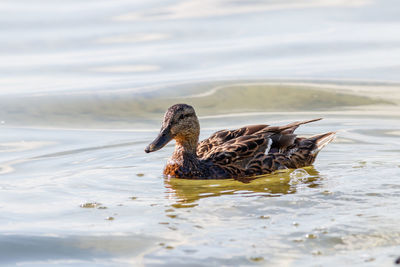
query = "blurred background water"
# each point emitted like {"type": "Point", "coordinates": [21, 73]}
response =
{"type": "Point", "coordinates": [84, 85]}
{"type": "Point", "coordinates": [76, 46]}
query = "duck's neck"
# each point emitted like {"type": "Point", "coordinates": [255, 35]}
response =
{"type": "Point", "coordinates": [185, 149]}
{"type": "Point", "coordinates": [184, 162]}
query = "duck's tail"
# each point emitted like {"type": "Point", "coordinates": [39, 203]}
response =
{"type": "Point", "coordinates": [305, 150]}
{"type": "Point", "coordinates": [321, 140]}
{"type": "Point", "coordinates": [300, 154]}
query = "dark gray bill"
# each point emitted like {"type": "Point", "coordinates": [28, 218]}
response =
{"type": "Point", "coordinates": [162, 139]}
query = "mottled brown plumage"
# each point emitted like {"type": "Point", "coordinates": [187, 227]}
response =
{"type": "Point", "coordinates": [247, 151]}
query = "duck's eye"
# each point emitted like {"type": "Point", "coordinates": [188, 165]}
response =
{"type": "Point", "coordinates": [182, 116]}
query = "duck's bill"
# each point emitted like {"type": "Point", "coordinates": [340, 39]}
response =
{"type": "Point", "coordinates": [162, 139]}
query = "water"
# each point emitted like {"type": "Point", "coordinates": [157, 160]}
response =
{"type": "Point", "coordinates": [84, 86]}
{"type": "Point", "coordinates": [77, 46]}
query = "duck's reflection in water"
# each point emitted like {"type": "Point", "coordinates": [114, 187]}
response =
{"type": "Point", "coordinates": [187, 191]}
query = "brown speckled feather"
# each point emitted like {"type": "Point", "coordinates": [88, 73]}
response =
{"type": "Point", "coordinates": [219, 138]}
{"type": "Point", "coordinates": [241, 145]}
{"type": "Point", "coordinates": [238, 150]}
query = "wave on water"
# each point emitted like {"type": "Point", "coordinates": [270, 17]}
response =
{"type": "Point", "coordinates": [125, 109]}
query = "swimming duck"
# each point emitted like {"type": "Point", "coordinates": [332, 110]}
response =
{"type": "Point", "coordinates": [248, 151]}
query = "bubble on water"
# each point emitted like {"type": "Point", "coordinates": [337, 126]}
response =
{"type": "Point", "coordinates": [299, 173]}
{"type": "Point", "coordinates": [298, 176]}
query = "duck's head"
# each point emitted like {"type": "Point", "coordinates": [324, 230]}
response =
{"type": "Point", "coordinates": [180, 123]}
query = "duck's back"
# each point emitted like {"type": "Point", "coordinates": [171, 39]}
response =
{"type": "Point", "coordinates": [240, 149]}
{"type": "Point", "coordinates": [234, 146]}
{"type": "Point", "coordinates": [221, 138]}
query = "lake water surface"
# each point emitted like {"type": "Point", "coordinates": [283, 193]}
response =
{"type": "Point", "coordinates": [83, 88]}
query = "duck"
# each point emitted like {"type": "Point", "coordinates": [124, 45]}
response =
{"type": "Point", "coordinates": [248, 151]}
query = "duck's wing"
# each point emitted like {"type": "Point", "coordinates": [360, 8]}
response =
{"type": "Point", "coordinates": [219, 138]}
{"type": "Point", "coordinates": [240, 146]}
{"type": "Point", "coordinates": [238, 151]}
